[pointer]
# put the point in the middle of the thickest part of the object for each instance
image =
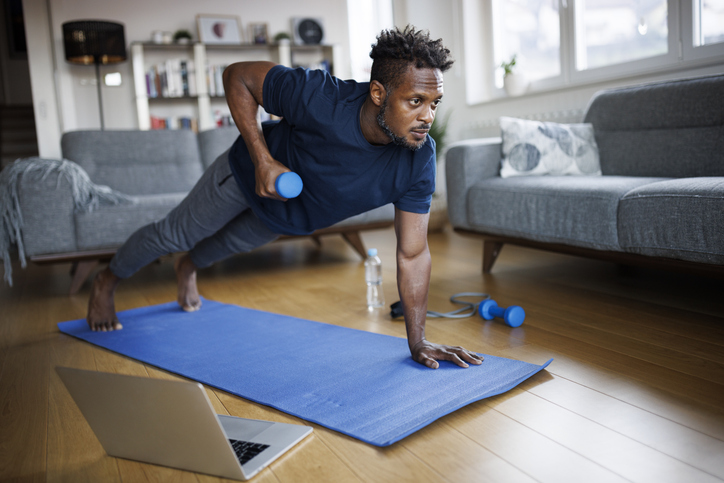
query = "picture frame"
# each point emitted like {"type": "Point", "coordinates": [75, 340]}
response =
{"type": "Point", "coordinates": [259, 33]}
{"type": "Point", "coordinates": [219, 29]}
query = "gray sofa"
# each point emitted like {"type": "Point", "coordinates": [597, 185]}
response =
{"type": "Point", "coordinates": [156, 168]}
{"type": "Point", "coordinates": [659, 202]}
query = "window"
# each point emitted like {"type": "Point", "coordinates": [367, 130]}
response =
{"type": "Point", "coordinates": [367, 18]}
{"type": "Point", "coordinates": [530, 30]}
{"type": "Point", "coordinates": [560, 43]}
{"type": "Point", "coordinates": [708, 22]}
{"type": "Point", "coordinates": [611, 32]}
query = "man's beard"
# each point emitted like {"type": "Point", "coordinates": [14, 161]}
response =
{"type": "Point", "coordinates": [399, 141]}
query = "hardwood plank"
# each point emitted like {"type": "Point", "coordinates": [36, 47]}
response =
{"type": "Point", "coordinates": [24, 412]}
{"type": "Point", "coordinates": [618, 302]}
{"type": "Point", "coordinates": [624, 456]}
{"type": "Point", "coordinates": [570, 326]}
{"type": "Point", "coordinates": [637, 330]}
{"type": "Point", "coordinates": [443, 448]}
{"type": "Point", "coordinates": [679, 409]}
{"type": "Point", "coordinates": [670, 438]}
{"type": "Point", "coordinates": [683, 293]}
{"type": "Point", "coordinates": [534, 454]}
{"type": "Point", "coordinates": [389, 464]}
{"type": "Point", "coordinates": [23, 392]}
{"type": "Point", "coordinates": [682, 384]}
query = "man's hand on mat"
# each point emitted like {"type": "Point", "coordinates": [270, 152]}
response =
{"type": "Point", "coordinates": [427, 353]}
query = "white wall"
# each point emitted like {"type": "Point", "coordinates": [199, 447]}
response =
{"type": "Point", "coordinates": [76, 96]}
{"type": "Point", "coordinates": [443, 19]}
{"type": "Point", "coordinates": [42, 77]}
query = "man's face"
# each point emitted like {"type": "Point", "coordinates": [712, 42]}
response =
{"type": "Point", "coordinates": [408, 111]}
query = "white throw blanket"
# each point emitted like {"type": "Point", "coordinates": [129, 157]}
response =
{"type": "Point", "coordinates": [86, 197]}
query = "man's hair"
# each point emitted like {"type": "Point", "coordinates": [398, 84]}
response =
{"type": "Point", "coordinates": [395, 51]}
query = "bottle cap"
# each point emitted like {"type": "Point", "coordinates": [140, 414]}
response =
{"type": "Point", "coordinates": [372, 252]}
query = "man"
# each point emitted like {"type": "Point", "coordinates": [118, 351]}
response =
{"type": "Point", "coordinates": [356, 146]}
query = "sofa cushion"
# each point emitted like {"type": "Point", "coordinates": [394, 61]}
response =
{"type": "Point", "coordinates": [137, 162]}
{"type": "Point", "coordinates": [680, 218]}
{"type": "Point", "coordinates": [580, 211]}
{"type": "Point", "coordinates": [110, 226]}
{"type": "Point", "coordinates": [672, 129]}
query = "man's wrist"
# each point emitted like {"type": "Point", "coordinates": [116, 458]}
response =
{"type": "Point", "coordinates": [415, 344]}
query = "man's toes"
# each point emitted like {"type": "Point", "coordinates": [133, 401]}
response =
{"type": "Point", "coordinates": [105, 326]}
{"type": "Point", "coordinates": [191, 307]}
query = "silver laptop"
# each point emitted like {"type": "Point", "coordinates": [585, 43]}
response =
{"type": "Point", "coordinates": [172, 423]}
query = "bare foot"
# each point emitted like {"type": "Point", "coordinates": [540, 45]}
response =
{"type": "Point", "coordinates": [101, 308]}
{"type": "Point", "coordinates": [188, 294]}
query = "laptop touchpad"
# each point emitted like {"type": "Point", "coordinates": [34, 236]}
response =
{"type": "Point", "coordinates": [243, 429]}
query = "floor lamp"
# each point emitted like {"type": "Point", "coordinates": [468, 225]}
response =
{"type": "Point", "coordinates": [94, 42]}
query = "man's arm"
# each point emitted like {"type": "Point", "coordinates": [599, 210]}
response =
{"type": "Point", "coordinates": [413, 283]}
{"type": "Point", "coordinates": [243, 85]}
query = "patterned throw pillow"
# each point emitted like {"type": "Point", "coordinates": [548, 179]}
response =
{"type": "Point", "coordinates": [532, 148]}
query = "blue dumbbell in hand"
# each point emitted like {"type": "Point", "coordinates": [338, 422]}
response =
{"type": "Point", "coordinates": [288, 185]}
{"type": "Point", "coordinates": [513, 315]}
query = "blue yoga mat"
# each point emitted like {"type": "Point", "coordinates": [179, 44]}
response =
{"type": "Point", "coordinates": [361, 384]}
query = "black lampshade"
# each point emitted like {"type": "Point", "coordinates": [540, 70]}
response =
{"type": "Point", "coordinates": [94, 42]}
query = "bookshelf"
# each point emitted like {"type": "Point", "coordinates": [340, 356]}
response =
{"type": "Point", "coordinates": [176, 81]}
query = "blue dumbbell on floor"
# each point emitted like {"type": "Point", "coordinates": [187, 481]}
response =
{"type": "Point", "coordinates": [288, 185]}
{"type": "Point", "coordinates": [513, 315]}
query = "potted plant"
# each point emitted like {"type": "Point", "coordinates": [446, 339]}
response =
{"type": "Point", "coordinates": [182, 36]}
{"type": "Point", "coordinates": [282, 38]}
{"type": "Point", "coordinates": [514, 83]}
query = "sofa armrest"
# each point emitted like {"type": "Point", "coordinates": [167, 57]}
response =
{"type": "Point", "coordinates": [46, 205]}
{"type": "Point", "coordinates": [467, 162]}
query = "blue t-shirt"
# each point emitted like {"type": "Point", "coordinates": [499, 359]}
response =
{"type": "Point", "coordinates": [320, 138]}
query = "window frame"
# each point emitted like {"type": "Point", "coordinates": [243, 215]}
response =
{"type": "Point", "coordinates": [682, 53]}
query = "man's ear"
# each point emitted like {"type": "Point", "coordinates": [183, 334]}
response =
{"type": "Point", "coordinates": [378, 93]}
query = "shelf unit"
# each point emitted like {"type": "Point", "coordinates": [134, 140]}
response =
{"type": "Point", "coordinates": [142, 54]}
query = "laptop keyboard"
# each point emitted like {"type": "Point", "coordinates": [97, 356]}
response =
{"type": "Point", "coordinates": [246, 450]}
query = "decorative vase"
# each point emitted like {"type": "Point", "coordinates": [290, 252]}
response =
{"type": "Point", "coordinates": [515, 84]}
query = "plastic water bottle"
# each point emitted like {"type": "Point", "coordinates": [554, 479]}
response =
{"type": "Point", "coordinates": [373, 277]}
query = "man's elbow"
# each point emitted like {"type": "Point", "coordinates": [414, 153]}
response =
{"type": "Point", "coordinates": [229, 73]}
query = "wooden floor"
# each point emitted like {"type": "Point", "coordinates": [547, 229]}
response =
{"type": "Point", "coordinates": [635, 393]}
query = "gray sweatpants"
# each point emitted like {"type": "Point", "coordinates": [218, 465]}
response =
{"type": "Point", "coordinates": [213, 222]}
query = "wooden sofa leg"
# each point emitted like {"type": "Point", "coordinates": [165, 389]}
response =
{"type": "Point", "coordinates": [80, 272]}
{"type": "Point", "coordinates": [354, 239]}
{"type": "Point", "coordinates": [491, 250]}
